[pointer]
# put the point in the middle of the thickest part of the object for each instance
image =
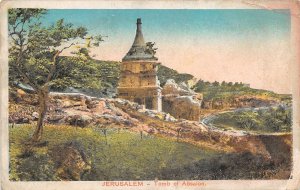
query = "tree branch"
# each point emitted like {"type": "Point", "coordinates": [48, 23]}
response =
{"type": "Point", "coordinates": [18, 63]}
{"type": "Point", "coordinates": [66, 47]}
{"type": "Point", "coordinates": [53, 68]}
{"type": "Point", "coordinates": [32, 83]}
{"type": "Point", "coordinates": [16, 26]}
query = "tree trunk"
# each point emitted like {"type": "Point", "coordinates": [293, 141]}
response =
{"type": "Point", "coordinates": [43, 100]}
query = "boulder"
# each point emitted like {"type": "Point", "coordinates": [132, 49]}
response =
{"type": "Point", "coordinates": [180, 101]}
{"type": "Point", "coordinates": [172, 88]}
{"type": "Point", "coordinates": [67, 104]}
{"type": "Point", "coordinates": [71, 161]}
{"type": "Point", "coordinates": [79, 120]}
{"type": "Point", "coordinates": [168, 117]}
{"type": "Point", "coordinates": [182, 107]}
{"type": "Point", "coordinates": [35, 116]}
{"type": "Point", "coordinates": [55, 118]}
{"type": "Point", "coordinates": [24, 120]}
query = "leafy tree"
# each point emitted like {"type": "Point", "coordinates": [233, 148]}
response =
{"type": "Point", "coordinates": [164, 73]}
{"type": "Point", "coordinates": [207, 83]}
{"type": "Point", "coordinates": [199, 86]}
{"type": "Point", "coordinates": [223, 83]}
{"type": "Point", "coordinates": [236, 84]}
{"type": "Point", "coordinates": [183, 77]}
{"type": "Point", "coordinates": [216, 83]}
{"type": "Point", "coordinates": [85, 52]}
{"type": "Point", "coordinates": [77, 72]}
{"type": "Point", "coordinates": [34, 54]}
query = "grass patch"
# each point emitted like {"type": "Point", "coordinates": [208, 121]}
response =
{"type": "Point", "coordinates": [125, 157]}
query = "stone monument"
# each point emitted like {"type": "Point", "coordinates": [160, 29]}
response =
{"type": "Point", "coordinates": [138, 80]}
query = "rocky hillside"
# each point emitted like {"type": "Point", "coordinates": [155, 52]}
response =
{"type": "Point", "coordinates": [83, 111]}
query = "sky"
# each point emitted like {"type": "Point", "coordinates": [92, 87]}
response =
{"type": "Point", "coordinates": [248, 45]}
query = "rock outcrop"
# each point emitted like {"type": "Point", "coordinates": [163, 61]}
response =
{"type": "Point", "coordinates": [71, 161]}
{"type": "Point", "coordinates": [85, 111]}
{"type": "Point", "coordinates": [172, 88]}
{"type": "Point", "coordinates": [180, 101]}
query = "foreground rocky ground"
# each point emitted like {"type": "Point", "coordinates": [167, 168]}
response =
{"type": "Point", "coordinates": [242, 155]}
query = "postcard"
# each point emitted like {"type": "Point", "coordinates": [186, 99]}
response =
{"type": "Point", "coordinates": [150, 94]}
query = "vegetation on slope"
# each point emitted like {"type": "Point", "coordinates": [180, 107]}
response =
{"type": "Point", "coordinates": [264, 120]}
{"type": "Point", "coordinates": [125, 156]}
{"type": "Point", "coordinates": [164, 73]}
{"type": "Point", "coordinates": [228, 90]}
{"type": "Point", "coordinates": [102, 75]}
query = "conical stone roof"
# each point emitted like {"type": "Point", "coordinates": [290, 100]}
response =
{"type": "Point", "coordinates": [139, 50]}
